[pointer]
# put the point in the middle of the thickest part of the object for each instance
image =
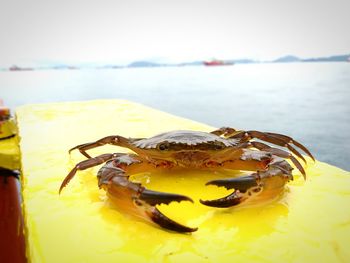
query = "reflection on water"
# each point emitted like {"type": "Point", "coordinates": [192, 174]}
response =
{"type": "Point", "coordinates": [309, 101]}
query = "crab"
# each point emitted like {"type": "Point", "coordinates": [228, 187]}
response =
{"type": "Point", "coordinates": [222, 149]}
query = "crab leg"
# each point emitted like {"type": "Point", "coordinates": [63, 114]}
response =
{"type": "Point", "coordinates": [280, 153]}
{"type": "Point", "coordinates": [280, 142]}
{"type": "Point", "coordinates": [262, 185]}
{"type": "Point", "coordinates": [128, 196]}
{"type": "Point", "coordinates": [274, 138]}
{"type": "Point", "coordinates": [113, 139]}
{"type": "Point", "coordinates": [226, 131]}
{"type": "Point", "coordinates": [288, 139]}
{"type": "Point", "coordinates": [85, 165]}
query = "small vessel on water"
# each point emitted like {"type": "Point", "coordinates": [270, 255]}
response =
{"type": "Point", "coordinates": [217, 62]}
{"type": "Point", "coordinates": [16, 68]}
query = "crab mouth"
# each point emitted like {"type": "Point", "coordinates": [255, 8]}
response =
{"type": "Point", "coordinates": [191, 158]}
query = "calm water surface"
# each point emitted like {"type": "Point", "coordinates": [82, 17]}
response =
{"type": "Point", "coordinates": [309, 101]}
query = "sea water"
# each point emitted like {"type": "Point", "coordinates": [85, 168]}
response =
{"type": "Point", "coordinates": [308, 101]}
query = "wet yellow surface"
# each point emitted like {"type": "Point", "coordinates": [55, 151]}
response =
{"type": "Point", "coordinates": [9, 154]}
{"type": "Point", "coordinates": [310, 222]}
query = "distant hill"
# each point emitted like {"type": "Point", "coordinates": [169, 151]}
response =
{"type": "Point", "coordinates": [329, 59]}
{"type": "Point", "coordinates": [140, 64]}
{"type": "Point", "coordinates": [285, 59]}
{"type": "Point", "coordinates": [290, 58]}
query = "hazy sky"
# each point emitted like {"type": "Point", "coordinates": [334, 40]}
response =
{"type": "Point", "coordinates": [122, 31]}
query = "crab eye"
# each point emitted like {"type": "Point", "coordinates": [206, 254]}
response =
{"type": "Point", "coordinates": [163, 146]}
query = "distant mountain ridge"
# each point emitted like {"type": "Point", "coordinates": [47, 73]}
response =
{"type": "Point", "coordinates": [291, 58]}
{"type": "Point", "coordinates": [288, 58]}
{"type": "Point", "coordinates": [150, 63]}
{"type": "Point", "coordinates": [330, 59]}
{"type": "Point", "coordinates": [283, 59]}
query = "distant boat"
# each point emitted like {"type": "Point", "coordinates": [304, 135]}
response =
{"type": "Point", "coordinates": [217, 62]}
{"type": "Point", "coordinates": [16, 68]}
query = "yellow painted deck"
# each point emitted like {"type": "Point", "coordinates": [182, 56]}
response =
{"type": "Point", "coordinates": [309, 223]}
{"type": "Point", "coordinates": [10, 154]}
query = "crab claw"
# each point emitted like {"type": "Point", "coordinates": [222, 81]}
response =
{"type": "Point", "coordinates": [134, 199]}
{"type": "Point", "coordinates": [240, 184]}
{"type": "Point", "coordinates": [231, 200]}
{"type": "Point", "coordinates": [256, 187]}
{"type": "Point", "coordinates": [142, 203]}
{"type": "Point", "coordinates": [156, 198]}
{"type": "Point", "coordinates": [152, 198]}
{"type": "Point", "coordinates": [165, 222]}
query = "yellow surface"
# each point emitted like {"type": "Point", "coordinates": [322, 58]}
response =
{"type": "Point", "coordinates": [309, 223]}
{"type": "Point", "coordinates": [9, 154]}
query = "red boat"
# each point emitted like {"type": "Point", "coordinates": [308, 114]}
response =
{"type": "Point", "coordinates": [216, 62]}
